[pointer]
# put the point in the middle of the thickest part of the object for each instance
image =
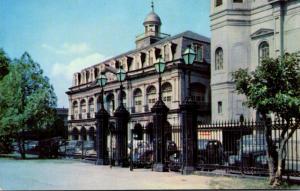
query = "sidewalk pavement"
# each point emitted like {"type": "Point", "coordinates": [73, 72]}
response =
{"type": "Point", "coordinates": [71, 174]}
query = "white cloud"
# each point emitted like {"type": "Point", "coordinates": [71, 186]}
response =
{"type": "Point", "coordinates": [62, 74]}
{"type": "Point", "coordinates": [76, 65]}
{"type": "Point", "coordinates": [68, 48]}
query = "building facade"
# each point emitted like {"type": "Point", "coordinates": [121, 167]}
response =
{"type": "Point", "coordinates": [244, 32]}
{"type": "Point", "coordinates": [141, 85]}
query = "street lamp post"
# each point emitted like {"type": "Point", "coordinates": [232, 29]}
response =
{"type": "Point", "coordinates": [160, 111]}
{"type": "Point", "coordinates": [122, 118]}
{"type": "Point", "coordinates": [189, 120]}
{"type": "Point", "coordinates": [102, 117]}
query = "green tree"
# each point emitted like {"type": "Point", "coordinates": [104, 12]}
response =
{"type": "Point", "coordinates": [4, 64]}
{"type": "Point", "coordinates": [5, 141]}
{"type": "Point", "coordinates": [27, 100]}
{"type": "Point", "coordinates": [274, 87]}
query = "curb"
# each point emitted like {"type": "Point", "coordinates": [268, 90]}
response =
{"type": "Point", "coordinates": [224, 174]}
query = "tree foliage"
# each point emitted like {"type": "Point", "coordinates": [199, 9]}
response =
{"type": "Point", "coordinates": [27, 100]}
{"type": "Point", "coordinates": [274, 87]}
{"type": "Point", "coordinates": [4, 64]}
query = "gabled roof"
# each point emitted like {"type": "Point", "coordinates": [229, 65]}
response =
{"type": "Point", "coordinates": [262, 32]}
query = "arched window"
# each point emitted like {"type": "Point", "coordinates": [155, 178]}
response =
{"type": "Point", "coordinates": [110, 100]}
{"type": "Point", "coordinates": [151, 96]}
{"type": "Point", "coordinates": [83, 134]}
{"type": "Point", "coordinates": [124, 98]}
{"type": "Point", "coordinates": [91, 134]}
{"type": "Point", "coordinates": [75, 108]}
{"type": "Point", "coordinates": [91, 105]}
{"type": "Point", "coordinates": [98, 102]}
{"type": "Point", "coordinates": [75, 134]}
{"type": "Point", "coordinates": [219, 59]}
{"type": "Point", "coordinates": [83, 106]}
{"type": "Point", "coordinates": [150, 132]}
{"type": "Point", "coordinates": [263, 51]}
{"type": "Point", "coordinates": [167, 93]}
{"type": "Point", "coordinates": [137, 100]}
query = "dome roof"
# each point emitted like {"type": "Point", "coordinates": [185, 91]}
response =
{"type": "Point", "coordinates": [152, 17]}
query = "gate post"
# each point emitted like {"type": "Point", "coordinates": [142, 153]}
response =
{"type": "Point", "coordinates": [122, 118]}
{"type": "Point", "coordinates": [131, 150]}
{"type": "Point", "coordinates": [101, 136]}
{"type": "Point", "coordinates": [189, 135]}
{"type": "Point", "coordinates": [160, 112]}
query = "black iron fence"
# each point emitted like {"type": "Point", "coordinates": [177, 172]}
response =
{"type": "Point", "coordinates": [242, 148]}
{"type": "Point", "coordinates": [142, 147]}
{"type": "Point", "coordinates": [233, 147]}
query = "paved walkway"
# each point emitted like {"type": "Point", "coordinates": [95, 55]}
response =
{"type": "Point", "coordinates": [68, 174]}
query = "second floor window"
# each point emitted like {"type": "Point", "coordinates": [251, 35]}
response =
{"type": "Point", "coordinates": [91, 105]}
{"type": "Point", "coordinates": [137, 98]}
{"type": "Point", "coordinates": [75, 107]}
{"type": "Point", "coordinates": [167, 93]}
{"type": "Point", "coordinates": [151, 95]}
{"type": "Point", "coordinates": [124, 99]}
{"type": "Point", "coordinates": [82, 106]}
{"type": "Point", "coordinates": [110, 102]}
{"type": "Point", "coordinates": [219, 59]}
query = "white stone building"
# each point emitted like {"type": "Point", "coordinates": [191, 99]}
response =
{"type": "Point", "coordinates": [243, 32]}
{"type": "Point", "coordinates": [141, 85]}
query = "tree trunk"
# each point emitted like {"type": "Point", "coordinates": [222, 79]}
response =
{"type": "Point", "coordinates": [271, 151]}
{"type": "Point", "coordinates": [271, 164]}
{"type": "Point", "coordinates": [21, 146]}
{"type": "Point", "coordinates": [280, 167]}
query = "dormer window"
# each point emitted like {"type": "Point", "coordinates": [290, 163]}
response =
{"type": "Point", "coordinates": [219, 3]}
{"type": "Point", "coordinates": [117, 64]}
{"type": "Point", "coordinates": [198, 48]}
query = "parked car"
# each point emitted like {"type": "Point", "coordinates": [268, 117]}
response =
{"type": "Point", "coordinates": [89, 149]}
{"type": "Point", "coordinates": [73, 147]}
{"type": "Point", "coordinates": [84, 147]}
{"type": "Point", "coordinates": [143, 155]}
{"type": "Point", "coordinates": [29, 145]}
{"type": "Point", "coordinates": [210, 152]}
{"type": "Point", "coordinates": [251, 152]}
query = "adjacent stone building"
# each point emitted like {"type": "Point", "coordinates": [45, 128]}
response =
{"type": "Point", "coordinates": [141, 85]}
{"type": "Point", "coordinates": [242, 33]}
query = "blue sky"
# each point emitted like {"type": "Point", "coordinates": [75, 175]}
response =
{"type": "Point", "coordinates": [64, 36]}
